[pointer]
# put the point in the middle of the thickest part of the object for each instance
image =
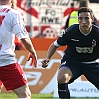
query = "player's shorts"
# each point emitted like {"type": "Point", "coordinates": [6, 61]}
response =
{"type": "Point", "coordinates": [89, 70]}
{"type": "Point", "coordinates": [12, 76]}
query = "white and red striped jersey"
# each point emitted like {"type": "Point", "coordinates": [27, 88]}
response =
{"type": "Point", "coordinates": [11, 25]}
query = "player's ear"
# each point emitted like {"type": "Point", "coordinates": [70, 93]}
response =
{"type": "Point", "coordinates": [92, 19]}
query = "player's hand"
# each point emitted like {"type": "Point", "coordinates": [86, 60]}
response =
{"type": "Point", "coordinates": [34, 59]}
{"type": "Point", "coordinates": [45, 63]}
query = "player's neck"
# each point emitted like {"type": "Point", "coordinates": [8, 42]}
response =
{"type": "Point", "coordinates": [85, 31]}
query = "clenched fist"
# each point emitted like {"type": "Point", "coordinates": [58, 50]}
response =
{"type": "Point", "coordinates": [45, 63]}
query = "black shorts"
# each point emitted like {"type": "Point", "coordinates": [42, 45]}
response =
{"type": "Point", "coordinates": [90, 71]}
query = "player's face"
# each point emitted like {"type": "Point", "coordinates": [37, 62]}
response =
{"type": "Point", "coordinates": [85, 22]}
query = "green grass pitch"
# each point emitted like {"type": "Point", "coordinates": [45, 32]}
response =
{"type": "Point", "coordinates": [34, 96]}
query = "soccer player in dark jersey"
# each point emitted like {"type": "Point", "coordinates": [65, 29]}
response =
{"type": "Point", "coordinates": [80, 56]}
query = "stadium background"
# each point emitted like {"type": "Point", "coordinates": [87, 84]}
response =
{"type": "Point", "coordinates": [45, 20]}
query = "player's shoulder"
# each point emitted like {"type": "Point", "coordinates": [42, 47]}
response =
{"type": "Point", "coordinates": [95, 28]}
{"type": "Point", "coordinates": [73, 28]}
{"type": "Point", "coordinates": [70, 30]}
{"type": "Point", "coordinates": [8, 10]}
{"type": "Point", "coordinates": [13, 11]}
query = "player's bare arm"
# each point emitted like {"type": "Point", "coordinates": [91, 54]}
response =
{"type": "Point", "coordinates": [51, 51]}
{"type": "Point", "coordinates": [29, 46]}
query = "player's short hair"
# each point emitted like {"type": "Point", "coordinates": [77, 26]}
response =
{"type": "Point", "coordinates": [5, 0]}
{"type": "Point", "coordinates": [85, 9]}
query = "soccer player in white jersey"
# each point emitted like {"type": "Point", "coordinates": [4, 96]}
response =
{"type": "Point", "coordinates": [11, 74]}
{"type": "Point", "coordinates": [14, 6]}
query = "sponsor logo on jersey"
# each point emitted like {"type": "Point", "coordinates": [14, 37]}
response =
{"type": "Point", "coordinates": [84, 49]}
{"type": "Point", "coordinates": [74, 40]}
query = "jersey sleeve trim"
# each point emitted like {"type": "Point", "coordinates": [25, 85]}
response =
{"type": "Point", "coordinates": [56, 44]}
